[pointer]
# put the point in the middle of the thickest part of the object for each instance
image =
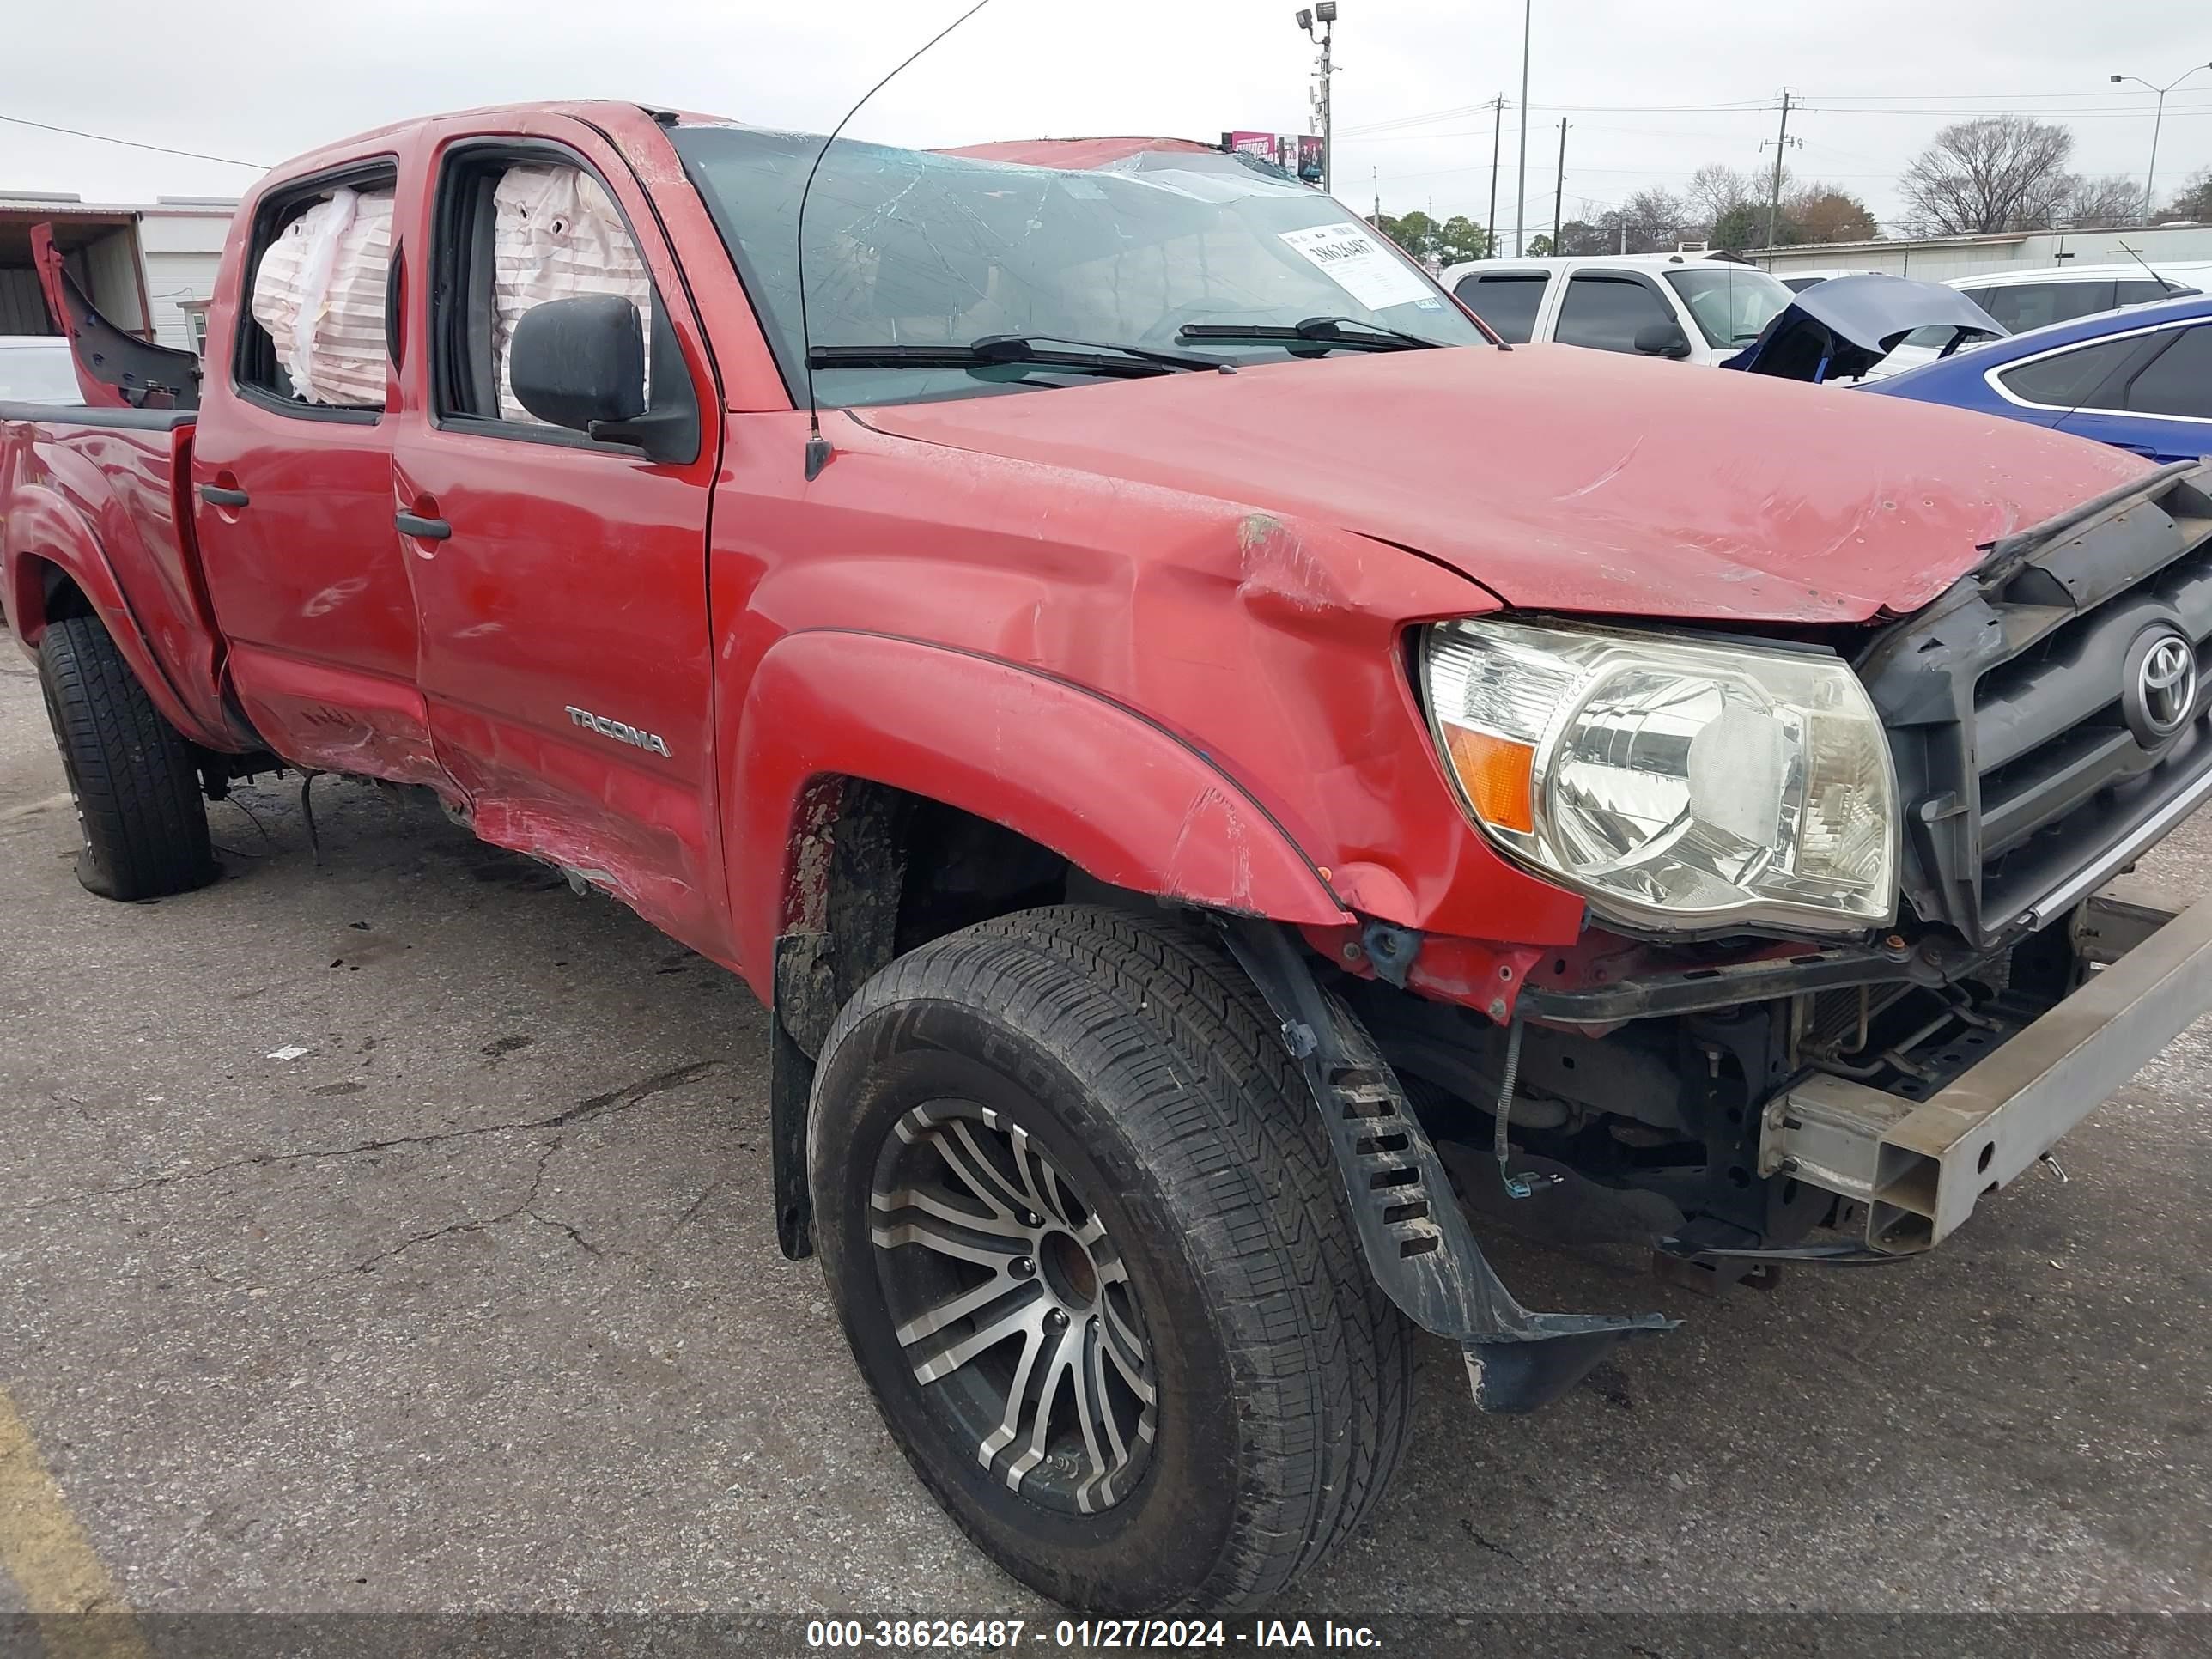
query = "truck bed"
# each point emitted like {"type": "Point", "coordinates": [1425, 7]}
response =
{"type": "Point", "coordinates": [97, 515]}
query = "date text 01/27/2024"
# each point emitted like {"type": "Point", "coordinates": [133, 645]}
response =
{"type": "Point", "coordinates": [1006, 1634]}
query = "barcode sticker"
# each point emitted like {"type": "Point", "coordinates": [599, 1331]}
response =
{"type": "Point", "coordinates": [1349, 255]}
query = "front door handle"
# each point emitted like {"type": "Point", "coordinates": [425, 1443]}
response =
{"type": "Point", "coordinates": [430, 529]}
{"type": "Point", "coordinates": [217, 495]}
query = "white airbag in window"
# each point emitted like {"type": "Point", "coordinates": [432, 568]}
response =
{"type": "Point", "coordinates": [556, 234]}
{"type": "Point", "coordinates": [320, 292]}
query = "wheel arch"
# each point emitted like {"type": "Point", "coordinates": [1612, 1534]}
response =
{"type": "Point", "coordinates": [833, 716]}
{"type": "Point", "coordinates": [57, 568]}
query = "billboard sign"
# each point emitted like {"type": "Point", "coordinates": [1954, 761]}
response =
{"type": "Point", "coordinates": [1299, 155]}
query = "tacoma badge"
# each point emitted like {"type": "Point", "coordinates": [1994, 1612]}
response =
{"type": "Point", "coordinates": [618, 732]}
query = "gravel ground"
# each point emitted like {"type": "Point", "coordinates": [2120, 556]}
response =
{"type": "Point", "coordinates": [474, 1302]}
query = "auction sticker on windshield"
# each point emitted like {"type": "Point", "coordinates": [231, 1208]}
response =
{"type": "Point", "coordinates": [1363, 267]}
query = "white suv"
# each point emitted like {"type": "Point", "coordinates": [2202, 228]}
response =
{"type": "Point", "coordinates": [1692, 306]}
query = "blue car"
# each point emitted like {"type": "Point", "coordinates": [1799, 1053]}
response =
{"type": "Point", "coordinates": [2140, 378]}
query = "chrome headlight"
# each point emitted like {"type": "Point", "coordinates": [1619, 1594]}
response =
{"type": "Point", "coordinates": [1675, 785]}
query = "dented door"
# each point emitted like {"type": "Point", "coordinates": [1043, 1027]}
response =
{"type": "Point", "coordinates": [560, 583]}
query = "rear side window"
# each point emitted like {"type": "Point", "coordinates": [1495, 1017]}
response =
{"type": "Point", "coordinates": [2179, 380]}
{"type": "Point", "coordinates": [1507, 299]}
{"type": "Point", "coordinates": [1606, 312]}
{"type": "Point", "coordinates": [2066, 379]}
{"type": "Point", "coordinates": [2143, 292]}
{"type": "Point", "coordinates": [312, 337]}
{"type": "Point", "coordinates": [2022, 306]}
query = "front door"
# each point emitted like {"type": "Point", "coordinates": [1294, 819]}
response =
{"type": "Point", "coordinates": [292, 478]}
{"type": "Point", "coordinates": [560, 583]}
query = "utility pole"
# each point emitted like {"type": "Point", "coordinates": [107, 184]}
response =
{"type": "Point", "coordinates": [1559, 186]}
{"type": "Point", "coordinates": [1496, 138]}
{"type": "Point", "coordinates": [1378, 192]}
{"type": "Point", "coordinates": [1521, 191]}
{"type": "Point", "coordinates": [1781, 142]}
{"type": "Point", "coordinates": [1324, 12]}
{"type": "Point", "coordinates": [2157, 122]}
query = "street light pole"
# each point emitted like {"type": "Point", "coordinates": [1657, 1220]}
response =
{"type": "Point", "coordinates": [2158, 121]}
{"type": "Point", "coordinates": [1521, 191]}
{"type": "Point", "coordinates": [1324, 12]}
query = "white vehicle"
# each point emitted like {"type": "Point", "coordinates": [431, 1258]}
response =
{"type": "Point", "coordinates": [1696, 307]}
{"type": "Point", "coordinates": [36, 368]}
{"type": "Point", "coordinates": [1798, 280]}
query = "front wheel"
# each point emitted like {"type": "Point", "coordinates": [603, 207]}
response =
{"type": "Point", "coordinates": [140, 818]}
{"type": "Point", "coordinates": [1081, 1223]}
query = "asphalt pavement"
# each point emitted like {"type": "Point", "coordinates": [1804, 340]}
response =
{"type": "Point", "coordinates": [389, 1231]}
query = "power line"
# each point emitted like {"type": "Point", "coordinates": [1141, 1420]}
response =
{"type": "Point", "coordinates": [133, 144]}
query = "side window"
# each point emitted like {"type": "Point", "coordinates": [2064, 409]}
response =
{"type": "Point", "coordinates": [313, 335]}
{"type": "Point", "coordinates": [1507, 301]}
{"type": "Point", "coordinates": [2141, 292]}
{"type": "Point", "coordinates": [2066, 380]}
{"type": "Point", "coordinates": [513, 234]}
{"type": "Point", "coordinates": [2179, 380]}
{"type": "Point", "coordinates": [1606, 312]}
{"type": "Point", "coordinates": [2023, 305]}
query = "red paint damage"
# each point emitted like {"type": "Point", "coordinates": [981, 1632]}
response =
{"type": "Point", "coordinates": [1159, 627]}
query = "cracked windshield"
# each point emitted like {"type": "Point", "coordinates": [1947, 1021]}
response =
{"type": "Point", "coordinates": [934, 276]}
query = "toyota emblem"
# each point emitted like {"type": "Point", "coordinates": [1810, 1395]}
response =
{"type": "Point", "coordinates": [2160, 692]}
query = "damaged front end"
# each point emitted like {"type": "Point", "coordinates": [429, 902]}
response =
{"type": "Point", "coordinates": [1826, 1005]}
{"type": "Point", "coordinates": [1416, 1239]}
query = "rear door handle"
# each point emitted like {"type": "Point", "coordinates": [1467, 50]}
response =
{"type": "Point", "coordinates": [217, 495]}
{"type": "Point", "coordinates": [430, 529]}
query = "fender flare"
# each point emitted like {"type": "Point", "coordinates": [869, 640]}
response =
{"type": "Point", "coordinates": [1116, 794]}
{"type": "Point", "coordinates": [45, 529]}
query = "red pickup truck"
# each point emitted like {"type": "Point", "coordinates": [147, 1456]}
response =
{"type": "Point", "coordinates": [1220, 768]}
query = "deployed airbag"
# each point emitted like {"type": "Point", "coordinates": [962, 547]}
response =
{"type": "Point", "coordinates": [556, 234]}
{"type": "Point", "coordinates": [320, 292]}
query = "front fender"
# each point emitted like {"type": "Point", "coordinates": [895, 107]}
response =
{"type": "Point", "coordinates": [1113, 794]}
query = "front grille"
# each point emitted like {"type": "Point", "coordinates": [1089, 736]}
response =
{"type": "Point", "coordinates": [2008, 704]}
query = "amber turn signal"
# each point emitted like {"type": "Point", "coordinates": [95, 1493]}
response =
{"type": "Point", "coordinates": [1495, 774]}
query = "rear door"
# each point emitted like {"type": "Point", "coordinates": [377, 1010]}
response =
{"type": "Point", "coordinates": [561, 582]}
{"type": "Point", "coordinates": [2161, 409]}
{"type": "Point", "coordinates": [1508, 301]}
{"type": "Point", "coordinates": [292, 472]}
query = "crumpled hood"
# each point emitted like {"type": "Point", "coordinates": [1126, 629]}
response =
{"type": "Point", "coordinates": [1567, 479]}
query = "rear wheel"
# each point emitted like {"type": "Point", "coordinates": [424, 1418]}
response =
{"type": "Point", "coordinates": [140, 815]}
{"type": "Point", "coordinates": [1082, 1227]}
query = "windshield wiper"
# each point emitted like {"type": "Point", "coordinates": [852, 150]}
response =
{"type": "Point", "coordinates": [1314, 330]}
{"type": "Point", "coordinates": [1017, 351]}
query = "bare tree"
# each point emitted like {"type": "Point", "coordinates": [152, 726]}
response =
{"type": "Point", "coordinates": [2105, 203]}
{"type": "Point", "coordinates": [1654, 219]}
{"type": "Point", "coordinates": [2194, 199]}
{"type": "Point", "coordinates": [1997, 172]}
{"type": "Point", "coordinates": [1716, 188]}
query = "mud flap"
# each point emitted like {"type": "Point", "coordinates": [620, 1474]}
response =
{"type": "Point", "coordinates": [1417, 1243]}
{"type": "Point", "coordinates": [796, 1023]}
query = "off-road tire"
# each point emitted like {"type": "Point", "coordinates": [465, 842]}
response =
{"type": "Point", "coordinates": [140, 814]}
{"type": "Point", "coordinates": [1145, 1064]}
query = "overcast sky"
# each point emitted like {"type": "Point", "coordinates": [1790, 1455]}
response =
{"type": "Point", "coordinates": [259, 81]}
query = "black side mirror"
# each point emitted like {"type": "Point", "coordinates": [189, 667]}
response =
{"type": "Point", "coordinates": [580, 362]}
{"type": "Point", "coordinates": [1653, 340]}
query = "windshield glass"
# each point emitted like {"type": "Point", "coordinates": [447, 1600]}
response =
{"type": "Point", "coordinates": [39, 374]}
{"type": "Point", "coordinates": [913, 248]}
{"type": "Point", "coordinates": [1731, 303]}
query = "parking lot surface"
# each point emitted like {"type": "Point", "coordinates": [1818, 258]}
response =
{"type": "Point", "coordinates": [389, 1231]}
